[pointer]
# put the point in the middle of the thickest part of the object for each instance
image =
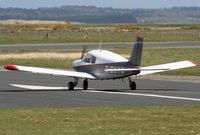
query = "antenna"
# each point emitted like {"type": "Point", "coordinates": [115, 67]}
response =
{"type": "Point", "coordinates": [100, 45]}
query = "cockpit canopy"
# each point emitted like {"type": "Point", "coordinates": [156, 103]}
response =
{"type": "Point", "coordinates": [89, 58]}
{"type": "Point", "coordinates": [102, 56]}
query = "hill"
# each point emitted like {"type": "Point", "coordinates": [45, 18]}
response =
{"type": "Point", "coordinates": [91, 14]}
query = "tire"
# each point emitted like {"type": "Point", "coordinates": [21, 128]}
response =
{"type": "Point", "coordinates": [71, 86]}
{"type": "Point", "coordinates": [85, 85]}
{"type": "Point", "coordinates": [132, 85]}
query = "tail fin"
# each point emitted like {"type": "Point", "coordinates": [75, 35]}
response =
{"type": "Point", "coordinates": [136, 54]}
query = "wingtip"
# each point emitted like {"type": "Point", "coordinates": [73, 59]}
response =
{"type": "Point", "coordinates": [194, 62]}
{"type": "Point", "coordinates": [11, 67]}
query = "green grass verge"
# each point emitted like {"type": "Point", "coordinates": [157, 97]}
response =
{"type": "Point", "coordinates": [48, 63]}
{"type": "Point", "coordinates": [176, 120]}
{"type": "Point", "coordinates": [150, 57]}
{"type": "Point", "coordinates": [8, 36]}
{"type": "Point", "coordinates": [38, 51]}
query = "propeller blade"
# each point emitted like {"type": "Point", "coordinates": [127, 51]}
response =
{"type": "Point", "coordinates": [83, 51]}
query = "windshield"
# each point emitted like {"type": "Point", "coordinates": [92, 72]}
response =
{"type": "Point", "coordinates": [89, 58]}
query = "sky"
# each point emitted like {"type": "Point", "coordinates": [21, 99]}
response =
{"type": "Point", "coordinates": [100, 3]}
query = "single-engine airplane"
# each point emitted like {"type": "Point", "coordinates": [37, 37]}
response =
{"type": "Point", "coordinates": [103, 65]}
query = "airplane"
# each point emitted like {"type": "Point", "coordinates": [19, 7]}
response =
{"type": "Point", "coordinates": [104, 65]}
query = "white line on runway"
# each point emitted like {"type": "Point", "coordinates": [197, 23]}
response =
{"type": "Point", "coordinates": [33, 87]}
{"type": "Point", "coordinates": [146, 95]}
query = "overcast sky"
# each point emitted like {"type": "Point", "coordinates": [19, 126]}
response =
{"type": "Point", "coordinates": [101, 3]}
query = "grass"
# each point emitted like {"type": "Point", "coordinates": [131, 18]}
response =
{"type": "Point", "coordinates": [37, 51]}
{"type": "Point", "coordinates": [150, 57]}
{"type": "Point", "coordinates": [42, 62]}
{"type": "Point", "coordinates": [31, 36]}
{"type": "Point", "coordinates": [176, 120]}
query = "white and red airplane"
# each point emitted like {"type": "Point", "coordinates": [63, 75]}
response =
{"type": "Point", "coordinates": [104, 65]}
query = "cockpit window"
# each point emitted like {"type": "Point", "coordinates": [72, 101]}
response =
{"type": "Point", "coordinates": [89, 58]}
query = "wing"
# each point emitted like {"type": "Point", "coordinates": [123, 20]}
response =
{"type": "Point", "coordinates": [169, 66]}
{"type": "Point", "coordinates": [159, 68]}
{"type": "Point", "coordinates": [50, 71]}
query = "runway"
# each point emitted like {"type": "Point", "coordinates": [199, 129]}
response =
{"type": "Point", "coordinates": [96, 45]}
{"type": "Point", "coordinates": [27, 90]}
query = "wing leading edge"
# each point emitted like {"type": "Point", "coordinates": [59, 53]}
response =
{"type": "Point", "coordinates": [50, 71]}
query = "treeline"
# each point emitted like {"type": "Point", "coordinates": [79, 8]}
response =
{"type": "Point", "coordinates": [91, 14]}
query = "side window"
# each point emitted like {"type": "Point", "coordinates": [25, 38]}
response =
{"type": "Point", "coordinates": [93, 59]}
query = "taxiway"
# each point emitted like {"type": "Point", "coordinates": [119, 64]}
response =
{"type": "Point", "coordinates": [71, 46]}
{"type": "Point", "coordinates": [26, 90]}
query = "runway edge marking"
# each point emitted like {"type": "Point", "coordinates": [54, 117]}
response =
{"type": "Point", "coordinates": [33, 87]}
{"type": "Point", "coordinates": [146, 95]}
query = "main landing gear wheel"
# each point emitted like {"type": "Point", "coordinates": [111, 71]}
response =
{"type": "Point", "coordinates": [71, 86]}
{"type": "Point", "coordinates": [85, 84]}
{"type": "Point", "coordinates": [132, 85]}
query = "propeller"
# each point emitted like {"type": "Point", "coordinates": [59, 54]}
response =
{"type": "Point", "coordinates": [83, 51]}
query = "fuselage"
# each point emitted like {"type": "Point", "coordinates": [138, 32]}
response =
{"type": "Point", "coordinates": [96, 62]}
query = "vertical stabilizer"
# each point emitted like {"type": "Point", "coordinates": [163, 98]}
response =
{"type": "Point", "coordinates": [136, 53]}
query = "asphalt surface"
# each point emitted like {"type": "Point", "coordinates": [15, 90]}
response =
{"type": "Point", "coordinates": [27, 90]}
{"type": "Point", "coordinates": [96, 45]}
